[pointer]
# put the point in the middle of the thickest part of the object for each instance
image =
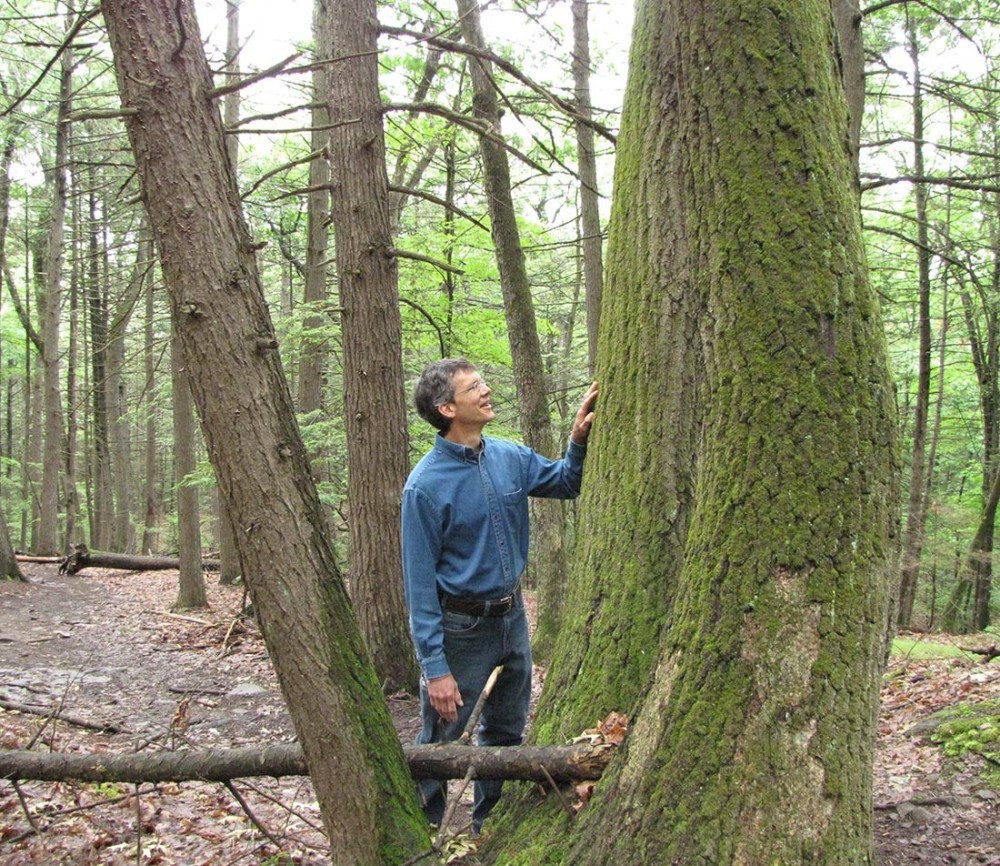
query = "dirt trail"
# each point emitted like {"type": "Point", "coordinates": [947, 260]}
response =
{"type": "Point", "coordinates": [103, 648]}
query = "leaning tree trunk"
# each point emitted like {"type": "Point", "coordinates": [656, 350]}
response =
{"type": "Point", "coordinates": [526, 354]}
{"type": "Point", "coordinates": [735, 214]}
{"type": "Point", "coordinates": [206, 253]}
{"type": "Point", "coordinates": [374, 399]}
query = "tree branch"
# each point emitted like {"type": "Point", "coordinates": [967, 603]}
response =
{"type": "Point", "coordinates": [563, 105]}
{"type": "Point", "coordinates": [470, 123]}
{"type": "Point", "coordinates": [71, 34]}
{"type": "Point", "coordinates": [575, 762]}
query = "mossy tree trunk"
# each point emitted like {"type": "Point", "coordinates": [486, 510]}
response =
{"type": "Point", "coordinates": [206, 253]}
{"type": "Point", "coordinates": [741, 502]}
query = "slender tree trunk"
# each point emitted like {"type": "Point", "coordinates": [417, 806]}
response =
{"type": "Point", "coordinates": [102, 518]}
{"type": "Point", "coordinates": [374, 400]}
{"type": "Point", "coordinates": [754, 715]}
{"type": "Point", "coordinates": [366, 797]}
{"type": "Point", "coordinates": [593, 264]}
{"type": "Point", "coordinates": [231, 569]}
{"type": "Point", "coordinates": [71, 496]}
{"type": "Point", "coordinates": [916, 515]}
{"type": "Point", "coordinates": [119, 427]}
{"type": "Point", "coordinates": [191, 585]}
{"type": "Point", "coordinates": [970, 594]}
{"type": "Point", "coordinates": [150, 475]}
{"type": "Point", "coordinates": [399, 181]}
{"type": "Point", "coordinates": [34, 397]}
{"type": "Point", "coordinates": [847, 18]}
{"type": "Point", "coordinates": [48, 528]}
{"type": "Point", "coordinates": [8, 564]}
{"type": "Point", "coordinates": [315, 350]}
{"type": "Point", "coordinates": [525, 349]}
{"type": "Point", "coordinates": [231, 101]}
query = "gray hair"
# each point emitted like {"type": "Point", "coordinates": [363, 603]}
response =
{"type": "Point", "coordinates": [434, 388]}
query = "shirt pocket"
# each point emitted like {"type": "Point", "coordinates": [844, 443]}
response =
{"type": "Point", "coordinates": [514, 499]}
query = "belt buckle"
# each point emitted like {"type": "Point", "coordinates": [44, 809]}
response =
{"type": "Point", "coordinates": [500, 606]}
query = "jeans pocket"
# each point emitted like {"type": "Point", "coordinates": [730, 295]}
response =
{"type": "Point", "coordinates": [456, 623]}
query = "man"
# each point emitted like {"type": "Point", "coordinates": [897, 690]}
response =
{"type": "Point", "coordinates": [465, 545]}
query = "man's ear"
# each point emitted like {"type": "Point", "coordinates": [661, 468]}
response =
{"type": "Point", "coordinates": [446, 409]}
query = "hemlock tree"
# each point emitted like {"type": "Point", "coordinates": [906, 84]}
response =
{"type": "Point", "coordinates": [206, 254]}
{"type": "Point", "coordinates": [738, 521]}
{"type": "Point", "coordinates": [374, 399]}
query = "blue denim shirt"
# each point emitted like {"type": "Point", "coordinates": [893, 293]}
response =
{"type": "Point", "coordinates": [465, 527]}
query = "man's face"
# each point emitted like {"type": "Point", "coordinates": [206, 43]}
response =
{"type": "Point", "coordinates": [472, 399]}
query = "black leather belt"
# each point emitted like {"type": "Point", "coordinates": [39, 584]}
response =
{"type": "Point", "coordinates": [474, 607]}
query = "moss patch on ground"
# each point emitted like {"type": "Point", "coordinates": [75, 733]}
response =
{"type": "Point", "coordinates": [972, 729]}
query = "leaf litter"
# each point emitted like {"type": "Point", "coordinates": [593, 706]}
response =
{"type": "Point", "coordinates": [103, 648]}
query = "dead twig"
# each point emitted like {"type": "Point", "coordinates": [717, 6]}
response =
{"type": "Point", "coordinates": [245, 806]}
{"type": "Point", "coordinates": [24, 807]}
{"type": "Point", "coordinates": [456, 795]}
{"type": "Point", "coordinates": [559, 794]}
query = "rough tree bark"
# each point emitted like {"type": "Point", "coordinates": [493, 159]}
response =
{"type": "Point", "coordinates": [207, 257]}
{"type": "Point", "coordinates": [374, 399]}
{"type": "Point", "coordinates": [735, 225]}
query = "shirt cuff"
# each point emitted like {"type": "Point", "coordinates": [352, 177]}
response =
{"type": "Point", "coordinates": [434, 667]}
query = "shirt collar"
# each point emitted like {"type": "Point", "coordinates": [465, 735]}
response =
{"type": "Point", "coordinates": [459, 452]}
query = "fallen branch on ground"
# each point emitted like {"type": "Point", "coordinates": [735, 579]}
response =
{"type": "Point", "coordinates": [574, 762]}
{"type": "Point", "coordinates": [69, 718]}
{"type": "Point", "coordinates": [82, 558]}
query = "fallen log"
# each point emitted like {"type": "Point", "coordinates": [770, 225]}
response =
{"type": "Point", "coordinates": [569, 763]}
{"type": "Point", "coordinates": [82, 558]}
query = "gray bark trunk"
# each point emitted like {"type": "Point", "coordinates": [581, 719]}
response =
{"type": "Point", "coordinates": [374, 399]}
{"type": "Point", "coordinates": [191, 582]}
{"type": "Point", "coordinates": [366, 798]}
{"type": "Point", "coordinates": [48, 528]}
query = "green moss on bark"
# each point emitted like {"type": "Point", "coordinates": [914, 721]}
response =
{"type": "Point", "coordinates": [744, 466]}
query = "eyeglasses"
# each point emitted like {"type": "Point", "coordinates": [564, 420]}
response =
{"type": "Point", "coordinates": [478, 386]}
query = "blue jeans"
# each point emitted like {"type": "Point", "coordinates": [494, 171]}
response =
{"type": "Point", "coordinates": [474, 646]}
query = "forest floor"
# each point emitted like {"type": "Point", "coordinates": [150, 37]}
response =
{"type": "Point", "coordinates": [103, 649]}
